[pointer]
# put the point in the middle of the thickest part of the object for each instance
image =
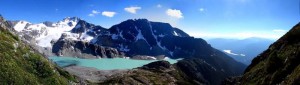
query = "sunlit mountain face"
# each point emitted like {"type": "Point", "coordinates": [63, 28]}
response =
{"type": "Point", "coordinates": [151, 42]}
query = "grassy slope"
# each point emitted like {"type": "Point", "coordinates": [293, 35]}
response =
{"type": "Point", "coordinates": [279, 64]}
{"type": "Point", "coordinates": [20, 65]}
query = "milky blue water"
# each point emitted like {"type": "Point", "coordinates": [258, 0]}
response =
{"type": "Point", "coordinates": [104, 63]}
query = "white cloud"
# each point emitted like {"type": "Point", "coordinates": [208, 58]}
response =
{"type": "Point", "coordinates": [94, 12]}
{"type": "Point", "coordinates": [174, 13]}
{"type": "Point", "coordinates": [91, 15]}
{"type": "Point", "coordinates": [158, 6]}
{"type": "Point", "coordinates": [279, 30]}
{"type": "Point", "coordinates": [108, 13]}
{"type": "Point", "coordinates": [132, 9]}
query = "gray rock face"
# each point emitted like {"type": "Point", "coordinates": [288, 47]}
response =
{"type": "Point", "coordinates": [81, 49]}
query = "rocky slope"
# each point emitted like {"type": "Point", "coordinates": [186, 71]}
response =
{"type": "Point", "coordinates": [22, 65]}
{"type": "Point", "coordinates": [185, 72]}
{"type": "Point", "coordinates": [279, 64]}
{"type": "Point", "coordinates": [56, 39]}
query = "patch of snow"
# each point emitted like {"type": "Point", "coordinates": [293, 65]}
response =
{"type": "Point", "coordinates": [86, 37]}
{"type": "Point", "coordinates": [120, 33]}
{"type": "Point", "coordinates": [155, 37]}
{"type": "Point", "coordinates": [152, 57]}
{"type": "Point", "coordinates": [139, 36]}
{"type": "Point", "coordinates": [20, 25]}
{"type": "Point", "coordinates": [93, 41]}
{"type": "Point", "coordinates": [47, 34]}
{"type": "Point", "coordinates": [77, 26]}
{"type": "Point", "coordinates": [114, 36]}
{"type": "Point", "coordinates": [161, 35]}
{"type": "Point", "coordinates": [166, 58]}
{"type": "Point", "coordinates": [171, 53]}
{"type": "Point", "coordinates": [123, 48]}
{"type": "Point", "coordinates": [159, 45]}
{"type": "Point", "coordinates": [72, 47]}
{"type": "Point", "coordinates": [175, 33]}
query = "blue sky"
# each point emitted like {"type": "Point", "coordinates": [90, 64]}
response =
{"type": "Point", "coordinates": [200, 18]}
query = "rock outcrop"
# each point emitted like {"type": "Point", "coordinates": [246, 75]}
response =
{"type": "Point", "coordinates": [185, 72]}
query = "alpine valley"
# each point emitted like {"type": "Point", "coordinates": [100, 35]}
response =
{"type": "Point", "coordinates": [138, 39]}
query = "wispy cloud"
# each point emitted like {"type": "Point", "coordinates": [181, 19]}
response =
{"type": "Point", "coordinates": [108, 13]}
{"type": "Point", "coordinates": [174, 13]}
{"type": "Point", "coordinates": [94, 12]}
{"type": "Point", "coordinates": [201, 9]}
{"type": "Point", "coordinates": [132, 9]}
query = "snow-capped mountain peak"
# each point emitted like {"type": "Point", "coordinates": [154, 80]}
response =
{"type": "Point", "coordinates": [20, 25]}
{"type": "Point", "coordinates": [73, 19]}
{"type": "Point", "coordinates": [44, 33]}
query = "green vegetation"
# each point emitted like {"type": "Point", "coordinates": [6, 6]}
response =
{"type": "Point", "coordinates": [277, 65]}
{"type": "Point", "coordinates": [20, 65]}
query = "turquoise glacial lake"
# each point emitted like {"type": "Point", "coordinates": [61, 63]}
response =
{"type": "Point", "coordinates": [104, 63]}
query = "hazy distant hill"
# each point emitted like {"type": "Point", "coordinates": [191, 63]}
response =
{"type": "Point", "coordinates": [243, 50]}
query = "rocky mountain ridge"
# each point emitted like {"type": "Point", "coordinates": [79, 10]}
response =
{"type": "Point", "coordinates": [134, 38]}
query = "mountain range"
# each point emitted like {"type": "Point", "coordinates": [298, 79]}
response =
{"type": "Point", "coordinates": [279, 64]}
{"type": "Point", "coordinates": [242, 50]}
{"type": "Point", "coordinates": [133, 38]}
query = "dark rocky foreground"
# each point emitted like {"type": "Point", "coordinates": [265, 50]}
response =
{"type": "Point", "coordinates": [185, 72]}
